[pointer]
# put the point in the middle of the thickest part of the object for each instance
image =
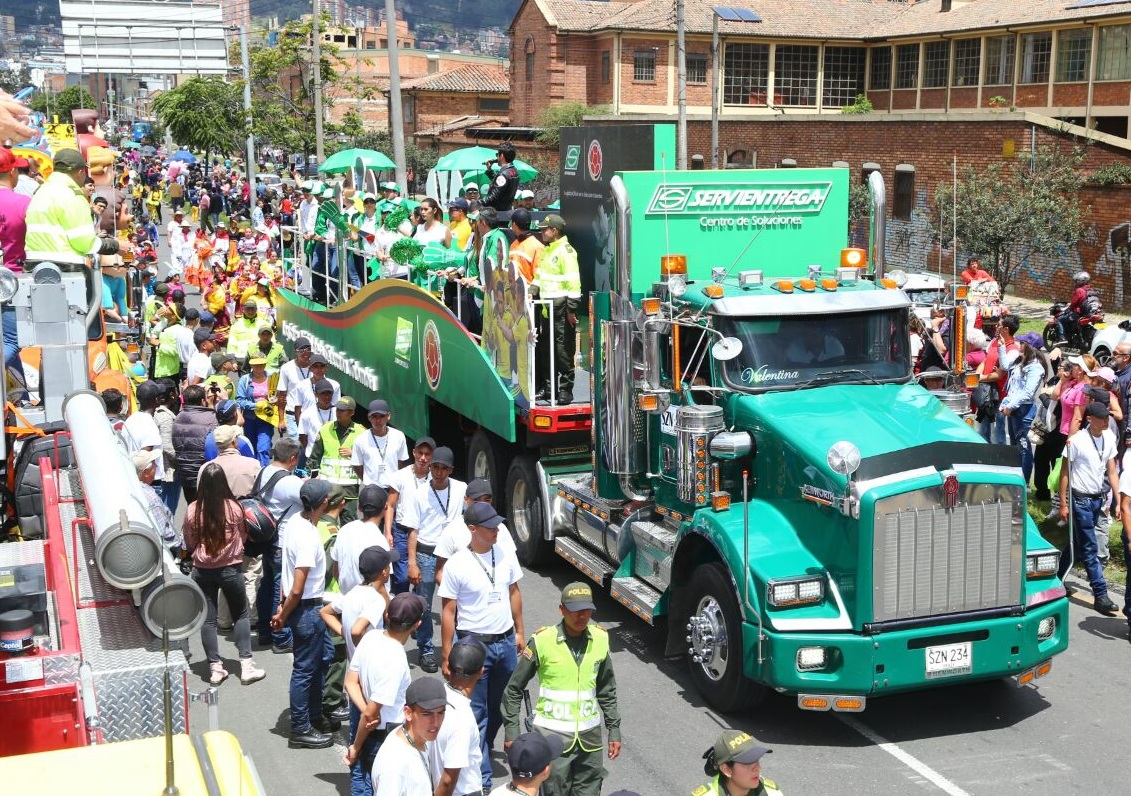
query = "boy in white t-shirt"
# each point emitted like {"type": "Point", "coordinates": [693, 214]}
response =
{"type": "Point", "coordinates": [353, 614]}
{"type": "Point", "coordinates": [380, 452]}
{"type": "Point", "coordinates": [457, 535]}
{"type": "Point", "coordinates": [360, 534]}
{"type": "Point", "coordinates": [456, 757]}
{"type": "Point", "coordinates": [401, 767]}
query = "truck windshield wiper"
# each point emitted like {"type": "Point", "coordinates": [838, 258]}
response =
{"type": "Point", "coordinates": [836, 375]}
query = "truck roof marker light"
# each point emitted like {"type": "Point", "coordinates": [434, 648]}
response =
{"type": "Point", "coordinates": [848, 276]}
{"type": "Point", "coordinates": [807, 285]}
{"type": "Point", "coordinates": [713, 291]}
{"type": "Point", "coordinates": [672, 264]}
{"type": "Point", "coordinates": [749, 279]}
{"type": "Point", "coordinates": [829, 284]}
{"type": "Point", "coordinates": [720, 501]}
{"type": "Point", "coordinates": [783, 286]}
{"type": "Point", "coordinates": [853, 258]}
{"type": "Point", "coordinates": [650, 305]}
{"type": "Point", "coordinates": [889, 284]}
{"type": "Point", "coordinates": [961, 292]}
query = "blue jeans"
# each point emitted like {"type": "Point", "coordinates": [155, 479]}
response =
{"type": "Point", "coordinates": [11, 342]}
{"type": "Point", "coordinates": [1019, 421]}
{"type": "Point", "coordinates": [260, 432]}
{"type": "Point", "coordinates": [313, 652]}
{"type": "Point", "coordinates": [1085, 514]}
{"type": "Point", "coordinates": [487, 698]}
{"type": "Point", "coordinates": [399, 582]}
{"type": "Point", "coordinates": [171, 494]}
{"type": "Point", "coordinates": [361, 772]}
{"type": "Point", "coordinates": [426, 588]}
{"type": "Point", "coordinates": [267, 600]}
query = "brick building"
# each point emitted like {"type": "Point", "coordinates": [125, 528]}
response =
{"type": "Point", "coordinates": [437, 103]}
{"type": "Point", "coordinates": [981, 80]}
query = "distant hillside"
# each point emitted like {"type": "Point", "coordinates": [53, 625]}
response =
{"type": "Point", "coordinates": [32, 12]}
{"type": "Point", "coordinates": [420, 13]}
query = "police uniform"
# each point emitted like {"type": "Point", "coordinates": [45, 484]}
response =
{"type": "Point", "coordinates": [504, 185]}
{"type": "Point", "coordinates": [325, 456]}
{"type": "Point", "coordinates": [577, 687]}
{"type": "Point", "coordinates": [737, 748]}
{"type": "Point", "coordinates": [766, 787]}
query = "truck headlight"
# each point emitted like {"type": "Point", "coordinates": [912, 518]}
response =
{"type": "Point", "coordinates": [811, 658]}
{"type": "Point", "coordinates": [1046, 628]}
{"type": "Point", "coordinates": [9, 284]}
{"type": "Point", "coordinates": [796, 591]}
{"type": "Point", "coordinates": [1042, 564]}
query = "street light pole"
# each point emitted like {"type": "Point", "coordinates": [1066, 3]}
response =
{"type": "Point", "coordinates": [245, 59]}
{"type": "Point", "coordinates": [396, 115]}
{"type": "Point", "coordinates": [714, 89]}
{"type": "Point", "coordinates": [316, 36]}
{"type": "Point", "coordinates": [357, 58]}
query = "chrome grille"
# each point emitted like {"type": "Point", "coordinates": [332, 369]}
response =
{"type": "Point", "coordinates": [929, 561]}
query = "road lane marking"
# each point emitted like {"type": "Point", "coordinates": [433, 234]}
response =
{"type": "Point", "coordinates": [909, 760]}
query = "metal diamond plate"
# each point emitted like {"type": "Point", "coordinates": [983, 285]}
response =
{"type": "Point", "coordinates": [22, 554]}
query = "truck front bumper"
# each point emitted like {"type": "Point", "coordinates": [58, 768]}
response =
{"type": "Point", "coordinates": [907, 660]}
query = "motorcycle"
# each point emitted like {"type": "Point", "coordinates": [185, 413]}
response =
{"type": "Point", "coordinates": [1079, 331]}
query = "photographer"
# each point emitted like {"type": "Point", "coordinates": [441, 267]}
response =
{"type": "Point", "coordinates": [504, 182]}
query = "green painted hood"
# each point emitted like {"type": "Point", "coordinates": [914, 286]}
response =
{"type": "Point", "coordinates": [877, 418]}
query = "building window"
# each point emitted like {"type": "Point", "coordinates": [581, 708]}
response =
{"type": "Point", "coordinates": [604, 66]}
{"type": "Point", "coordinates": [1036, 54]}
{"type": "Point", "coordinates": [1115, 53]}
{"type": "Point", "coordinates": [880, 77]}
{"type": "Point", "coordinates": [967, 62]}
{"type": "Point", "coordinates": [696, 69]}
{"type": "Point", "coordinates": [907, 66]}
{"type": "Point", "coordinates": [746, 68]}
{"type": "Point", "coordinates": [1000, 52]}
{"type": "Point", "coordinates": [529, 60]}
{"type": "Point", "coordinates": [795, 74]}
{"type": "Point", "coordinates": [1073, 50]}
{"type": "Point", "coordinates": [844, 75]}
{"type": "Point", "coordinates": [904, 200]}
{"type": "Point", "coordinates": [494, 105]}
{"type": "Point", "coordinates": [370, 44]}
{"type": "Point", "coordinates": [936, 60]}
{"type": "Point", "coordinates": [644, 66]}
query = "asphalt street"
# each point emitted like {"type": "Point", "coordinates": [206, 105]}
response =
{"type": "Point", "coordinates": [992, 738]}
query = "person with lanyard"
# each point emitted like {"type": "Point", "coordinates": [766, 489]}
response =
{"type": "Point", "coordinates": [290, 374]}
{"type": "Point", "coordinates": [1089, 459]}
{"type": "Point", "coordinates": [283, 501]}
{"type": "Point", "coordinates": [304, 390]}
{"type": "Point", "coordinates": [269, 349]}
{"type": "Point", "coordinates": [379, 453]}
{"type": "Point", "coordinates": [577, 687]}
{"type": "Point", "coordinates": [359, 535]}
{"type": "Point", "coordinates": [332, 454]}
{"type": "Point", "coordinates": [376, 683]}
{"type": "Point", "coordinates": [530, 758]}
{"type": "Point", "coordinates": [397, 771]}
{"type": "Point", "coordinates": [405, 484]}
{"type": "Point", "coordinates": [431, 509]}
{"type": "Point", "coordinates": [480, 585]}
{"type": "Point", "coordinates": [316, 417]}
{"type": "Point", "coordinates": [456, 757]}
{"type": "Point", "coordinates": [457, 536]}
{"type": "Point", "coordinates": [734, 762]}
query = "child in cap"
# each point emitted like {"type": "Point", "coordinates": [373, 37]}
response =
{"type": "Point", "coordinates": [529, 757]}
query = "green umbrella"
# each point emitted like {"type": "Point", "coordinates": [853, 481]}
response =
{"type": "Point", "coordinates": [470, 161]}
{"type": "Point", "coordinates": [130, 145]}
{"type": "Point", "coordinates": [341, 162]}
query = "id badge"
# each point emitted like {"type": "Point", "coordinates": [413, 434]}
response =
{"type": "Point", "coordinates": [494, 598]}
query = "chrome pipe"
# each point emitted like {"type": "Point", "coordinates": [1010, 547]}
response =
{"type": "Point", "coordinates": [623, 209]}
{"type": "Point", "coordinates": [879, 225]}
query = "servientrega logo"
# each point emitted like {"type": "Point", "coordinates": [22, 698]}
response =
{"type": "Point", "coordinates": [573, 157]}
{"type": "Point", "coordinates": [758, 199]}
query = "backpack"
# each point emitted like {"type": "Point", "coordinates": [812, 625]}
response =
{"type": "Point", "coordinates": [262, 525]}
{"type": "Point", "coordinates": [1092, 305]}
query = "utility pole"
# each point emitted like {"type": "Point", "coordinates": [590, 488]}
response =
{"type": "Point", "coordinates": [396, 115]}
{"type": "Point", "coordinates": [245, 58]}
{"type": "Point", "coordinates": [316, 50]}
{"type": "Point", "coordinates": [681, 68]}
{"type": "Point", "coordinates": [357, 26]}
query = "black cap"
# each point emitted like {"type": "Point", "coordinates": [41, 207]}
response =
{"type": "Point", "coordinates": [323, 385]}
{"type": "Point", "coordinates": [531, 752]}
{"type": "Point", "coordinates": [406, 609]}
{"type": "Point", "coordinates": [302, 342]}
{"type": "Point", "coordinates": [202, 335]}
{"type": "Point", "coordinates": [375, 560]}
{"type": "Point", "coordinates": [427, 693]}
{"type": "Point", "coordinates": [443, 455]}
{"type": "Point", "coordinates": [149, 391]}
{"type": "Point", "coordinates": [314, 492]}
{"type": "Point", "coordinates": [318, 359]}
{"type": "Point", "coordinates": [226, 409]}
{"type": "Point", "coordinates": [467, 656]}
{"type": "Point", "coordinates": [520, 217]}
{"type": "Point", "coordinates": [482, 514]}
{"type": "Point", "coordinates": [431, 443]}
{"type": "Point", "coordinates": [372, 499]}
{"type": "Point", "coordinates": [1097, 409]}
{"type": "Point", "coordinates": [378, 407]}
{"type": "Point", "coordinates": [478, 488]}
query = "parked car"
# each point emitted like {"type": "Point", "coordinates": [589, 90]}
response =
{"type": "Point", "coordinates": [1108, 336]}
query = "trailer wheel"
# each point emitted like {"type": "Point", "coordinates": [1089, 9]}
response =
{"type": "Point", "coordinates": [488, 457]}
{"type": "Point", "coordinates": [714, 653]}
{"type": "Point", "coordinates": [527, 514]}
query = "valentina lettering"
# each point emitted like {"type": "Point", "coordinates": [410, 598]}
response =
{"type": "Point", "coordinates": [763, 375]}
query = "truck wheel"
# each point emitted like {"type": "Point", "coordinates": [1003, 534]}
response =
{"type": "Point", "coordinates": [715, 653]}
{"type": "Point", "coordinates": [488, 457]}
{"type": "Point", "coordinates": [527, 514]}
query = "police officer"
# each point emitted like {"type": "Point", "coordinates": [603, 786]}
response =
{"type": "Point", "coordinates": [577, 686]}
{"type": "Point", "coordinates": [504, 182]}
{"type": "Point", "coordinates": [558, 278]}
{"type": "Point", "coordinates": [734, 762]}
{"type": "Point", "coordinates": [332, 454]}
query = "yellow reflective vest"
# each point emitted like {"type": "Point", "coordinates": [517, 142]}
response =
{"type": "Point", "coordinates": [335, 468]}
{"type": "Point", "coordinates": [558, 274]}
{"type": "Point", "coordinates": [567, 695]}
{"type": "Point", "coordinates": [715, 788]}
{"type": "Point", "coordinates": [59, 225]}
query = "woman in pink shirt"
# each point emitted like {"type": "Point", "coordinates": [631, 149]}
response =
{"type": "Point", "coordinates": [215, 532]}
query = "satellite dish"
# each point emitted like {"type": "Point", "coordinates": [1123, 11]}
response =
{"type": "Point", "coordinates": [726, 349]}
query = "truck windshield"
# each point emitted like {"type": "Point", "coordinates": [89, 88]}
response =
{"type": "Point", "coordinates": [813, 350]}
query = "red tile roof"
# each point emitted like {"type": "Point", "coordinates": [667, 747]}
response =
{"type": "Point", "coordinates": [472, 78]}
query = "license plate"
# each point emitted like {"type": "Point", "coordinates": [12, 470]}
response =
{"type": "Point", "coordinates": [948, 660]}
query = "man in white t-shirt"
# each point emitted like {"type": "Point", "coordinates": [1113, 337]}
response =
{"type": "Point", "coordinates": [283, 501]}
{"type": "Point", "coordinates": [140, 432]}
{"type": "Point", "coordinates": [401, 767]}
{"type": "Point", "coordinates": [480, 586]}
{"type": "Point", "coordinates": [376, 683]}
{"type": "Point", "coordinates": [456, 757]}
{"type": "Point", "coordinates": [405, 483]}
{"type": "Point", "coordinates": [425, 517]}
{"type": "Point", "coordinates": [293, 372]}
{"type": "Point", "coordinates": [200, 363]}
{"type": "Point", "coordinates": [380, 452]}
{"type": "Point", "coordinates": [458, 536]}
{"type": "Point", "coordinates": [1089, 464]}
{"type": "Point", "coordinates": [316, 416]}
{"type": "Point", "coordinates": [360, 534]}
{"type": "Point", "coordinates": [362, 609]}
{"type": "Point", "coordinates": [529, 758]}
{"type": "Point", "coordinates": [304, 581]}
{"type": "Point", "coordinates": [304, 390]}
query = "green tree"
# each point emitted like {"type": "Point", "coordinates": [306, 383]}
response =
{"type": "Point", "coordinates": [12, 80]}
{"type": "Point", "coordinates": [564, 114]}
{"type": "Point", "coordinates": [418, 160]}
{"type": "Point", "coordinates": [204, 114]}
{"type": "Point", "coordinates": [1013, 209]}
{"type": "Point", "coordinates": [64, 102]}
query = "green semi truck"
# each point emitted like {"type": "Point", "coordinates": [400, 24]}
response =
{"type": "Point", "coordinates": [753, 467]}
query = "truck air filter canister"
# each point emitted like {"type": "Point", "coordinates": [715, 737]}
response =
{"type": "Point", "coordinates": [17, 630]}
{"type": "Point", "coordinates": [694, 427]}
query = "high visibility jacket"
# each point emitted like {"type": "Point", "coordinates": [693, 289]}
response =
{"type": "Point", "coordinates": [526, 254]}
{"type": "Point", "coordinates": [243, 334]}
{"type": "Point", "coordinates": [716, 788]}
{"type": "Point", "coordinates": [59, 226]}
{"type": "Point", "coordinates": [567, 696]}
{"type": "Point", "coordinates": [168, 356]}
{"type": "Point", "coordinates": [558, 275]}
{"type": "Point", "coordinates": [335, 468]}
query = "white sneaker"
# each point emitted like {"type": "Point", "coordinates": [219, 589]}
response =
{"type": "Point", "coordinates": [249, 672]}
{"type": "Point", "coordinates": [218, 673]}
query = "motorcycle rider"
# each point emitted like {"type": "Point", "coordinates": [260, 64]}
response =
{"type": "Point", "coordinates": [1068, 320]}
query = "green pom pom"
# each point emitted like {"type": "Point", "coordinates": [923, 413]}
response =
{"type": "Point", "coordinates": [405, 250]}
{"type": "Point", "coordinates": [396, 218]}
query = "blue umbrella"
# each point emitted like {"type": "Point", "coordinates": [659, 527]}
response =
{"type": "Point", "coordinates": [185, 157]}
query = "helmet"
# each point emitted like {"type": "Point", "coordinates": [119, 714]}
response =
{"type": "Point", "coordinates": [1082, 278]}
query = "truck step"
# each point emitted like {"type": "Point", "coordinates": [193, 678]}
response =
{"type": "Point", "coordinates": [655, 548]}
{"type": "Point", "coordinates": [576, 490]}
{"type": "Point", "coordinates": [637, 596]}
{"type": "Point", "coordinates": [592, 565]}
